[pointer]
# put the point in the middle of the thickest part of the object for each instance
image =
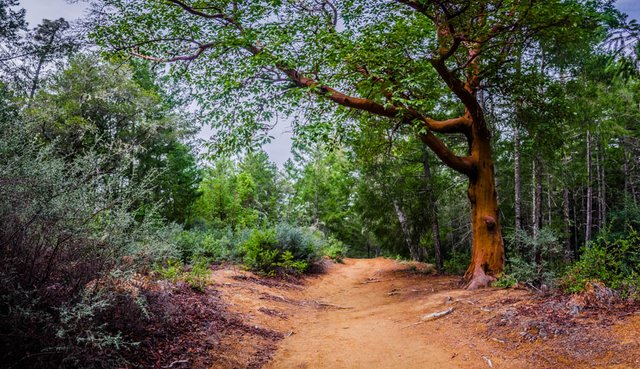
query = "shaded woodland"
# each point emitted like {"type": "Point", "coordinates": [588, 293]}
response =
{"type": "Point", "coordinates": [496, 140]}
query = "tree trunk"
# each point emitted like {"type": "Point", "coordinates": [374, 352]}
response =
{"type": "Point", "coordinates": [602, 192]}
{"type": "Point", "coordinates": [43, 56]}
{"type": "Point", "coordinates": [566, 213]}
{"type": "Point", "coordinates": [433, 216]}
{"type": "Point", "coordinates": [406, 232]}
{"type": "Point", "coordinates": [587, 233]}
{"type": "Point", "coordinates": [518, 185]}
{"type": "Point", "coordinates": [626, 173]}
{"type": "Point", "coordinates": [536, 199]}
{"type": "Point", "coordinates": [36, 78]}
{"type": "Point", "coordinates": [487, 259]}
{"type": "Point", "coordinates": [549, 202]}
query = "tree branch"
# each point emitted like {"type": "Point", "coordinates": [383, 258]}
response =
{"type": "Point", "coordinates": [464, 165]}
{"type": "Point", "coordinates": [455, 125]}
{"type": "Point", "coordinates": [199, 13]}
{"type": "Point", "coordinates": [458, 88]}
{"type": "Point", "coordinates": [406, 115]}
{"type": "Point", "coordinates": [193, 56]}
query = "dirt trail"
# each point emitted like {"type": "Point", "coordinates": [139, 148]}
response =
{"type": "Point", "coordinates": [371, 329]}
{"type": "Point", "coordinates": [366, 313]}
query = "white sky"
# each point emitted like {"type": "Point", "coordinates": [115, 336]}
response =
{"type": "Point", "coordinates": [280, 149]}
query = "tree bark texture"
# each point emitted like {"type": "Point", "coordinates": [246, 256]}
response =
{"type": "Point", "coordinates": [406, 232]}
{"type": "Point", "coordinates": [517, 178]}
{"type": "Point", "coordinates": [589, 198]}
{"type": "Point", "coordinates": [536, 198]}
{"type": "Point", "coordinates": [566, 220]}
{"type": "Point", "coordinates": [487, 258]}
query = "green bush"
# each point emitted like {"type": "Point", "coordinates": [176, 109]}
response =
{"type": "Point", "coordinates": [198, 274]}
{"type": "Point", "coordinates": [195, 275]}
{"type": "Point", "coordinates": [505, 281]}
{"type": "Point", "coordinates": [69, 224]}
{"type": "Point", "coordinates": [217, 245]}
{"type": "Point", "coordinates": [281, 250]}
{"type": "Point", "coordinates": [260, 251]}
{"type": "Point", "coordinates": [538, 261]}
{"type": "Point", "coordinates": [335, 250]}
{"type": "Point", "coordinates": [171, 271]}
{"type": "Point", "coordinates": [303, 244]}
{"type": "Point", "coordinates": [457, 263]}
{"type": "Point", "coordinates": [614, 262]}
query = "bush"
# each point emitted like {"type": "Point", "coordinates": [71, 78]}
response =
{"type": "Point", "coordinates": [195, 275]}
{"type": "Point", "coordinates": [614, 262]}
{"type": "Point", "coordinates": [217, 245]}
{"type": "Point", "coordinates": [283, 250]}
{"type": "Point", "coordinates": [335, 250]}
{"type": "Point", "coordinates": [260, 251]}
{"type": "Point", "coordinates": [68, 225]}
{"type": "Point", "coordinates": [505, 281]}
{"type": "Point", "coordinates": [457, 263]}
{"type": "Point", "coordinates": [304, 244]}
{"type": "Point", "coordinates": [539, 261]}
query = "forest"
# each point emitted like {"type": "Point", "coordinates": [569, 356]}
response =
{"type": "Point", "coordinates": [469, 165]}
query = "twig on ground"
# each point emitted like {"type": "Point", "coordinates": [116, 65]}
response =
{"type": "Point", "coordinates": [432, 316]}
{"type": "Point", "coordinates": [436, 315]}
{"type": "Point", "coordinates": [326, 304]}
{"type": "Point", "coordinates": [489, 362]}
{"type": "Point", "coordinates": [176, 362]}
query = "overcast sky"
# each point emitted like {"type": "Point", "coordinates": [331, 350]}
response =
{"type": "Point", "coordinates": [279, 149]}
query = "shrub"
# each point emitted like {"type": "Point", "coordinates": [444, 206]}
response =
{"type": "Point", "coordinates": [68, 223]}
{"type": "Point", "coordinates": [505, 281]}
{"type": "Point", "coordinates": [539, 260]}
{"type": "Point", "coordinates": [198, 274]}
{"type": "Point", "coordinates": [284, 249]}
{"type": "Point", "coordinates": [457, 263]}
{"type": "Point", "coordinates": [260, 251]}
{"type": "Point", "coordinates": [171, 271]}
{"type": "Point", "coordinates": [217, 245]}
{"type": "Point", "coordinates": [614, 262]}
{"type": "Point", "coordinates": [335, 249]}
{"type": "Point", "coordinates": [304, 244]}
{"type": "Point", "coordinates": [195, 275]}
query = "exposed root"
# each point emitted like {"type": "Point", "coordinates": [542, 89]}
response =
{"type": "Point", "coordinates": [272, 312]}
{"type": "Point", "coordinates": [328, 305]}
{"type": "Point", "coordinates": [266, 296]}
{"type": "Point", "coordinates": [477, 279]}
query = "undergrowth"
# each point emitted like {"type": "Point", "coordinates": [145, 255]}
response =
{"type": "Point", "coordinates": [614, 261]}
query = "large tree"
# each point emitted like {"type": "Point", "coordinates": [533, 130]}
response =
{"type": "Point", "coordinates": [420, 63]}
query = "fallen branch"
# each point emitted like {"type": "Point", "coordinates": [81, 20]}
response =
{"type": "Point", "coordinates": [436, 315]}
{"type": "Point", "coordinates": [266, 296]}
{"type": "Point", "coordinates": [325, 304]}
{"type": "Point", "coordinates": [432, 316]}
{"type": "Point", "coordinates": [176, 362]}
{"type": "Point", "coordinates": [272, 312]}
{"type": "Point", "coordinates": [489, 362]}
{"type": "Point", "coordinates": [371, 281]}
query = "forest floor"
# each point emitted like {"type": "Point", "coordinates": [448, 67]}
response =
{"type": "Point", "coordinates": [374, 313]}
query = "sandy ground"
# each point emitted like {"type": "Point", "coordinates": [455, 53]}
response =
{"type": "Point", "coordinates": [370, 313]}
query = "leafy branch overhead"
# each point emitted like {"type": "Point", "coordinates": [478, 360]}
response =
{"type": "Point", "coordinates": [414, 62]}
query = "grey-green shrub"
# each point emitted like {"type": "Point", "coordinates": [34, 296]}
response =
{"type": "Point", "coordinates": [612, 261]}
{"type": "Point", "coordinates": [68, 225]}
{"type": "Point", "coordinates": [283, 249]}
{"type": "Point", "coordinates": [539, 260]}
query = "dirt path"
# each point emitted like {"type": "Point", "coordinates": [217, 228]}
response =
{"type": "Point", "coordinates": [371, 331]}
{"type": "Point", "coordinates": [366, 313]}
